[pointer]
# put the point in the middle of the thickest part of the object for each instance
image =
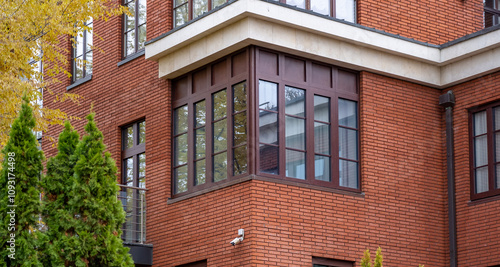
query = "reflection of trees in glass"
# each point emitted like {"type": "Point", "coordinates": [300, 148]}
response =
{"type": "Point", "coordinates": [199, 7]}
{"type": "Point", "coordinates": [239, 128]}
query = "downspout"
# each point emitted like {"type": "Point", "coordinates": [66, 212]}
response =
{"type": "Point", "coordinates": [448, 101]}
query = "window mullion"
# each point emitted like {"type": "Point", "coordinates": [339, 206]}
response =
{"type": "Point", "coordinates": [209, 168]}
{"type": "Point", "coordinates": [310, 138]}
{"type": "Point", "coordinates": [190, 144]}
{"type": "Point", "coordinates": [281, 130]}
{"type": "Point", "coordinates": [334, 119]}
{"type": "Point", "coordinates": [136, 35]}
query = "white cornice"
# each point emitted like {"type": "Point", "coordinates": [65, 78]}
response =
{"type": "Point", "coordinates": [257, 22]}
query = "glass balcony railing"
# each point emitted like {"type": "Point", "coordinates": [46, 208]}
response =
{"type": "Point", "coordinates": [134, 203]}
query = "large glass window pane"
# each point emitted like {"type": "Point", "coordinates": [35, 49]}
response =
{"type": "Point", "coordinates": [219, 105]}
{"type": "Point", "coordinates": [322, 138]}
{"type": "Point", "coordinates": [216, 3]}
{"type": "Point", "coordinates": [180, 150]}
{"type": "Point", "coordinates": [240, 160]}
{"type": "Point", "coordinates": [497, 147]}
{"type": "Point", "coordinates": [130, 48]}
{"type": "Point", "coordinates": [348, 113]}
{"type": "Point", "coordinates": [481, 180]}
{"type": "Point", "coordinates": [88, 63]}
{"type": "Point", "coordinates": [142, 37]}
{"type": "Point", "coordinates": [480, 123]}
{"type": "Point", "coordinates": [348, 174]}
{"type": "Point", "coordinates": [180, 175]}
{"type": "Point", "coordinates": [142, 11]}
{"type": "Point", "coordinates": [78, 68]}
{"type": "Point", "coordinates": [199, 7]}
{"type": "Point", "coordinates": [200, 172]}
{"type": "Point", "coordinates": [220, 167]}
{"type": "Point", "coordinates": [220, 135]}
{"type": "Point", "coordinates": [321, 108]}
{"type": "Point", "coordinates": [181, 15]}
{"type": "Point", "coordinates": [345, 9]}
{"type": "Point", "coordinates": [142, 170]}
{"type": "Point", "coordinates": [481, 151]}
{"type": "Point", "coordinates": [496, 115]}
{"type": "Point", "coordinates": [200, 113]}
{"type": "Point", "coordinates": [297, 3]}
{"type": "Point", "coordinates": [240, 128]}
{"type": "Point", "coordinates": [142, 132]}
{"type": "Point", "coordinates": [129, 171]}
{"type": "Point", "coordinates": [497, 180]}
{"type": "Point", "coordinates": [268, 95]}
{"type": "Point", "coordinates": [240, 97]}
{"type": "Point", "coordinates": [180, 120]}
{"type": "Point", "coordinates": [295, 164]}
{"type": "Point", "coordinates": [130, 20]}
{"type": "Point", "coordinates": [321, 6]}
{"type": "Point", "coordinates": [200, 142]}
{"type": "Point", "coordinates": [295, 101]}
{"type": "Point", "coordinates": [322, 168]}
{"type": "Point", "coordinates": [348, 144]}
{"type": "Point", "coordinates": [269, 159]}
{"type": "Point", "coordinates": [130, 137]}
{"type": "Point", "coordinates": [268, 127]}
{"type": "Point", "coordinates": [79, 44]}
{"type": "Point", "coordinates": [89, 38]}
{"type": "Point", "coordinates": [295, 133]}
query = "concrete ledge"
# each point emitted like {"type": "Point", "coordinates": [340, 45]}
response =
{"type": "Point", "coordinates": [267, 24]}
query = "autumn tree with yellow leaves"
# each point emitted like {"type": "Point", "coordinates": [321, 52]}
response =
{"type": "Point", "coordinates": [30, 32]}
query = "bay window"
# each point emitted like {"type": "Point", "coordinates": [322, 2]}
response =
{"type": "Point", "coordinates": [265, 114]}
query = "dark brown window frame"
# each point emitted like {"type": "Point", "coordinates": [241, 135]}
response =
{"type": "Point", "coordinates": [493, 11]}
{"type": "Point", "coordinates": [133, 152]}
{"type": "Point", "coordinates": [136, 30]}
{"type": "Point", "coordinates": [252, 76]}
{"type": "Point", "coordinates": [490, 136]}
{"type": "Point", "coordinates": [311, 89]}
{"type": "Point", "coordinates": [83, 57]}
{"type": "Point", "coordinates": [190, 100]}
{"type": "Point", "coordinates": [190, 9]}
{"type": "Point", "coordinates": [202, 263]}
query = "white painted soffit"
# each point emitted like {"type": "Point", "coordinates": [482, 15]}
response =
{"type": "Point", "coordinates": [257, 22]}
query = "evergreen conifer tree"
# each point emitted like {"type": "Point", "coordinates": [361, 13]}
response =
{"type": "Point", "coordinates": [57, 186]}
{"type": "Point", "coordinates": [98, 213]}
{"type": "Point", "coordinates": [20, 195]}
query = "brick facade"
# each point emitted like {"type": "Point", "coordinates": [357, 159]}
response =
{"type": "Point", "coordinates": [403, 204]}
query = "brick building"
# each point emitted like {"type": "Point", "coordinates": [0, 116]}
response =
{"type": "Point", "coordinates": [320, 127]}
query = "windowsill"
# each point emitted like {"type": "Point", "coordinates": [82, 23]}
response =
{"type": "Point", "coordinates": [79, 82]}
{"type": "Point", "coordinates": [266, 179]}
{"type": "Point", "coordinates": [132, 57]}
{"type": "Point", "coordinates": [483, 200]}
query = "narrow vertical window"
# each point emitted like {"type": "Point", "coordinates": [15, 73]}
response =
{"type": "Point", "coordinates": [491, 12]}
{"type": "Point", "coordinates": [348, 144]}
{"type": "Point", "coordinates": [485, 151]}
{"type": "Point", "coordinates": [219, 130]}
{"type": "Point", "coordinates": [240, 128]}
{"type": "Point", "coordinates": [82, 53]}
{"type": "Point", "coordinates": [295, 133]}
{"type": "Point", "coordinates": [134, 28]}
{"type": "Point", "coordinates": [134, 181]}
{"type": "Point", "coordinates": [181, 13]}
{"type": "Point", "coordinates": [200, 143]}
{"type": "Point", "coordinates": [180, 149]}
{"type": "Point", "coordinates": [322, 144]}
{"type": "Point", "coordinates": [268, 127]}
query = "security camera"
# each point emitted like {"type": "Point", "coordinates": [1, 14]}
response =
{"type": "Point", "coordinates": [238, 240]}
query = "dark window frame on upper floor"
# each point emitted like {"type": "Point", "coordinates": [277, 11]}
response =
{"type": "Point", "coordinates": [132, 27]}
{"type": "Point", "coordinates": [336, 87]}
{"type": "Point", "coordinates": [202, 263]}
{"type": "Point", "coordinates": [82, 61]}
{"type": "Point", "coordinates": [484, 148]}
{"type": "Point", "coordinates": [184, 10]}
{"type": "Point", "coordinates": [491, 13]}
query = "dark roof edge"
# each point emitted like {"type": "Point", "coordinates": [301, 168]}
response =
{"type": "Point", "coordinates": [470, 36]}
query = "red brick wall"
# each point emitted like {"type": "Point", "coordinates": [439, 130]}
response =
{"type": "Point", "coordinates": [477, 221]}
{"type": "Point", "coordinates": [432, 21]}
